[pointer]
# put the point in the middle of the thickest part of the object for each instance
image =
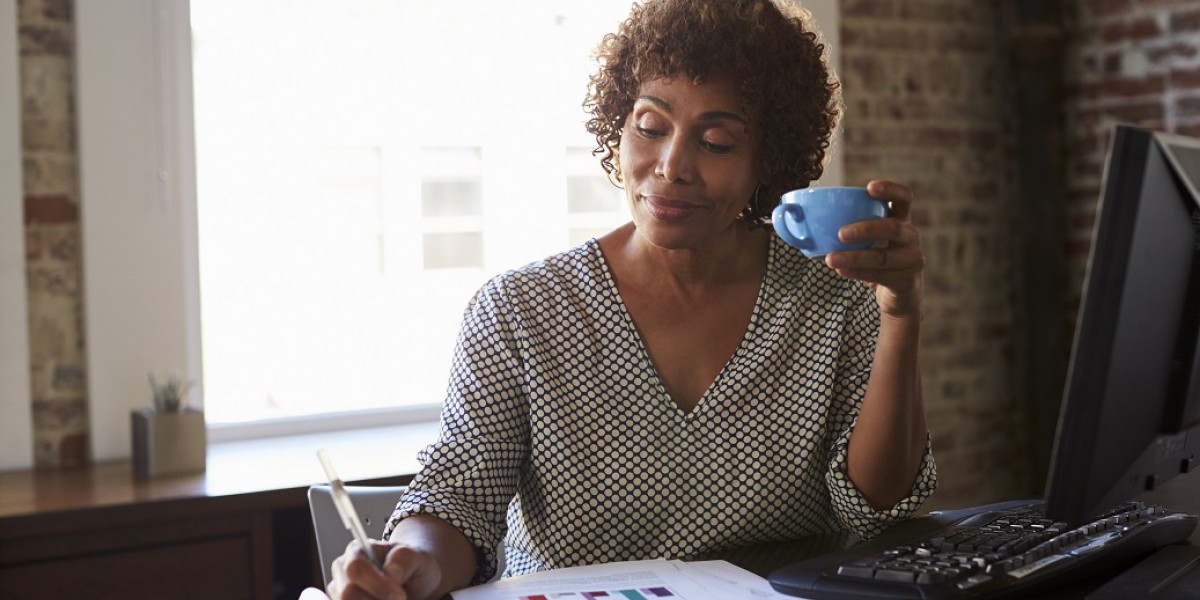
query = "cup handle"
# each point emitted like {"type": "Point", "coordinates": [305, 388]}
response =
{"type": "Point", "coordinates": [789, 223]}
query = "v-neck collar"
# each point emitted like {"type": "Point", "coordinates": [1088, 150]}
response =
{"type": "Point", "coordinates": [650, 370]}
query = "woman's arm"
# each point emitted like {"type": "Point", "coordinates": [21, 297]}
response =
{"type": "Point", "coordinates": [888, 441]}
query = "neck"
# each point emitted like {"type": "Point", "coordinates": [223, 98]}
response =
{"type": "Point", "coordinates": [739, 256]}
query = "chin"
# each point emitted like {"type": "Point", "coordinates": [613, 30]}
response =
{"type": "Point", "coordinates": [670, 237]}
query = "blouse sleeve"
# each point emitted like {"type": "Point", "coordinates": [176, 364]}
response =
{"type": "Point", "coordinates": [854, 368]}
{"type": "Point", "coordinates": [469, 475]}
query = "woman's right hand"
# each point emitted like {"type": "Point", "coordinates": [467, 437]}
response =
{"type": "Point", "coordinates": [407, 574]}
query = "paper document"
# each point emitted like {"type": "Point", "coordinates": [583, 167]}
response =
{"type": "Point", "coordinates": [634, 580]}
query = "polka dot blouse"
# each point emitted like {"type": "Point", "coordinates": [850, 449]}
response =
{"type": "Point", "coordinates": [558, 431]}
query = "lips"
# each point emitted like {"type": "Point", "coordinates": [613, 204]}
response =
{"type": "Point", "coordinates": [668, 209]}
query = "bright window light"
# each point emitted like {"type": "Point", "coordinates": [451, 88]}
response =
{"type": "Point", "coordinates": [362, 168]}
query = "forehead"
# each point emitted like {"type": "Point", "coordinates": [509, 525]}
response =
{"type": "Point", "coordinates": [682, 94]}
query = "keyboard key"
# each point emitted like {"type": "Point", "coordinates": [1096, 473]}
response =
{"type": "Point", "coordinates": [929, 578]}
{"type": "Point", "coordinates": [853, 570]}
{"type": "Point", "coordinates": [895, 575]}
{"type": "Point", "coordinates": [973, 581]}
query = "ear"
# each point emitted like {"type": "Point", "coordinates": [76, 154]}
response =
{"type": "Point", "coordinates": [615, 176]}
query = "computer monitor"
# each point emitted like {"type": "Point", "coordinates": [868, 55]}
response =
{"type": "Point", "coordinates": [1130, 417]}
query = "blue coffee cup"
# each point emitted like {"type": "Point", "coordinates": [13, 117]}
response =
{"type": "Point", "coordinates": [809, 219]}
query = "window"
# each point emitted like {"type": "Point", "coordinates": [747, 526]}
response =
{"type": "Point", "coordinates": [362, 169]}
{"type": "Point", "coordinates": [452, 223]}
{"type": "Point", "coordinates": [134, 65]}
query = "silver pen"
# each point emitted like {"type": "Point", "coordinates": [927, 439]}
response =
{"type": "Point", "coordinates": [345, 508]}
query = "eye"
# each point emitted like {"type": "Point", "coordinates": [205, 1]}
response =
{"type": "Point", "coordinates": [650, 125]}
{"type": "Point", "coordinates": [716, 148]}
{"type": "Point", "coordinates": [648, 132]}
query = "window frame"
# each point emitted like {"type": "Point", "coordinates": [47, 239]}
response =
{"type": "Point", "coordinates": [16, 418]}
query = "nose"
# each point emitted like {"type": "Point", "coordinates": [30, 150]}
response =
{"type": "Point", "coordinates": [675, 162]}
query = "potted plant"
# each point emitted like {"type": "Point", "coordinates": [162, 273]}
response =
{"type": "Point", "coordinates": [170, 438]}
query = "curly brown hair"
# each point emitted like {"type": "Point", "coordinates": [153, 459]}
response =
{"type": "Point", "coordinates": [778, 59]}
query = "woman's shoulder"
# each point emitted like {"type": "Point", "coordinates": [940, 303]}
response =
{"type": "Point", "coordinates": [569, 263]}
{"type": "Point", "coordinates": [577, 267]}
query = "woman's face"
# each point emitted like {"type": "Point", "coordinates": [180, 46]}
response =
{"type": "Point", "coordinates": [689, 159]}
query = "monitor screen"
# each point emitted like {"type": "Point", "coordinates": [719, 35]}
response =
{"type": "Point", "coordinates": [1130, 417]}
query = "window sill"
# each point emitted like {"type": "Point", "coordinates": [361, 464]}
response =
{"type": "Point", "coordinates": [291, 461]}
{"type": "Point", "coordinates": [324, 423]}
{"type": "Point", "coordinates": [265, 468]}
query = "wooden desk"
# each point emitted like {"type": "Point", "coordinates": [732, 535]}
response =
{"type": "Point", "coordinates": [240, 530]}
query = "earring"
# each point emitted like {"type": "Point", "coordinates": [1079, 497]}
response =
{"type": "Point", "coordinates": [756, 201]}
{"type": "Point", "coordinates": [753, 213]}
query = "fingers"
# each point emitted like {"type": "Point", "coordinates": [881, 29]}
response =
{"type": "Point", "coordinates": [898, 196]}
{"type": "Point", "coordinates": [894, 231]}
{"type": "Point", "coordinates": [355, 577]}
{"type": "Point", "coordinates": [902, 261]}
{"type": "Point", "coordinates": [893, 265]}
{"type": "Point", "coordinates": [420, 573]}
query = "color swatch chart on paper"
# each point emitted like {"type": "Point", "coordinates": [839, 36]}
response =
{"type": "Point", "coordinates": [639, 594]}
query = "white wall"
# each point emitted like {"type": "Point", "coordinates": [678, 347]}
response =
{"type": "Point", "coordinates": [138, 206]}
{"type": "Point", "coordinates": [16, 425]}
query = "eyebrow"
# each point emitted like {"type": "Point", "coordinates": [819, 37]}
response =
{"type": "Point", "coordinates": [712, 115]}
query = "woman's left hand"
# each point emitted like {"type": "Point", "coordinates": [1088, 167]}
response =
{"type": "Point", "coordinates": [893, 266]}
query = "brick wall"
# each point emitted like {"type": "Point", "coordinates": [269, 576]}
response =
{"type": "Point", "coordinates": [1128, 61]}
{"type": "Point", "coordinates": [52, 235]}
{"type": "Point", "coordinates": [938, 96]}
{"type": "Point", "coordinates": [927, 105]}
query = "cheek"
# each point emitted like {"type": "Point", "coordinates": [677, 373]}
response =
{"type": "Point", "coordinates": [631, 152]}
{"type": "Point", "coordinates": [741, 192]}
{"type": "Point", "coordinates": [624, 154]}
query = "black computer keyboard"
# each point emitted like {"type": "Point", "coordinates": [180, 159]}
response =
{"type": "Point", "coordinates": [994, 551]}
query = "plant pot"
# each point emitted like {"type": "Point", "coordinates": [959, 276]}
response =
{"type": "Point", "coordinates": [168, 443]}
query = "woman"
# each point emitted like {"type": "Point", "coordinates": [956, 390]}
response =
{"type": "Point", "coordinates": [687, 382]}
